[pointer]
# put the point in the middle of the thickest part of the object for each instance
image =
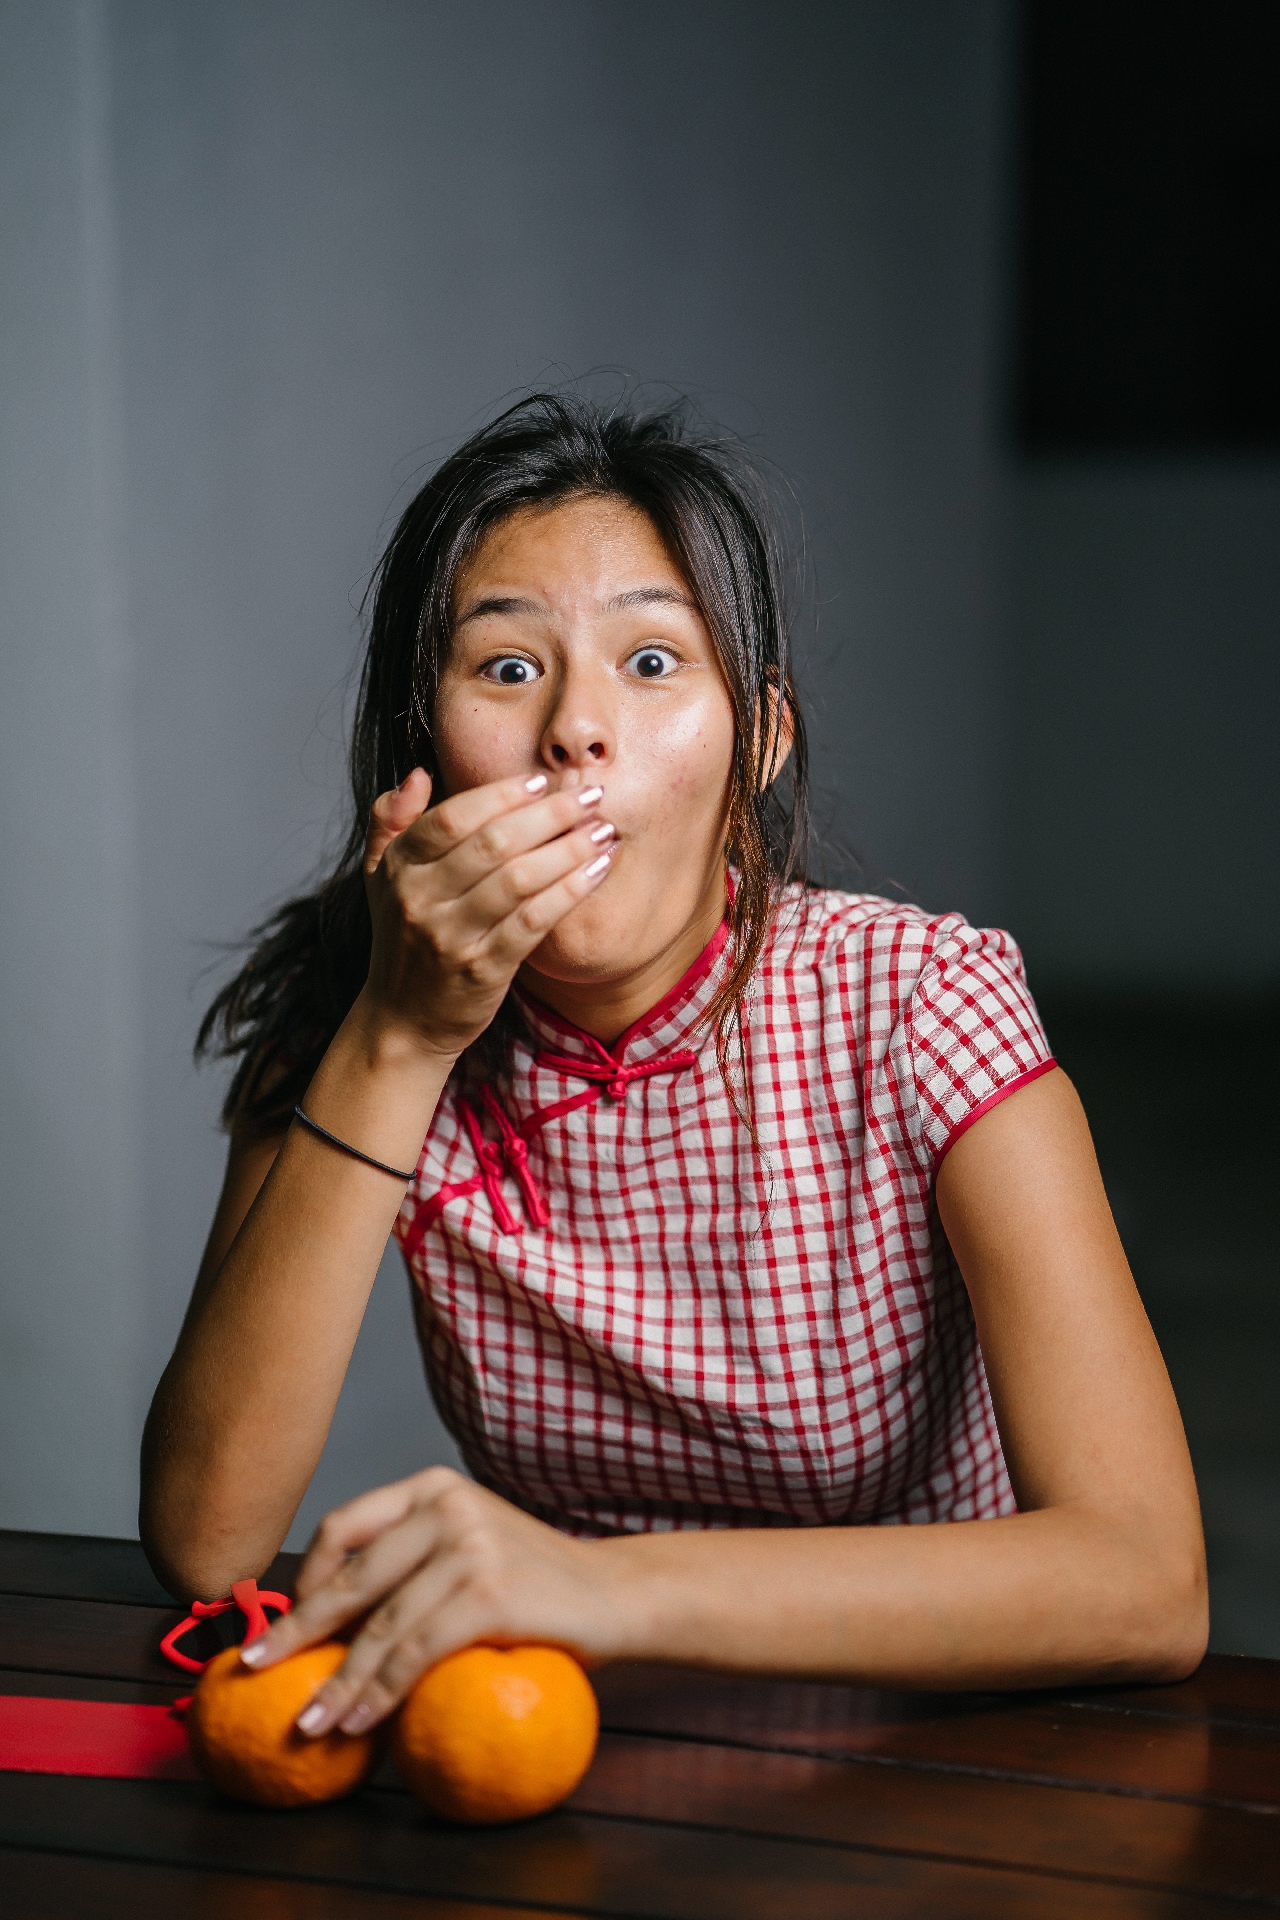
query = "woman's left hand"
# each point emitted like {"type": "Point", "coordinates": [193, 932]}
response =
{"type": "Point", "coordinates": [442, 1563]}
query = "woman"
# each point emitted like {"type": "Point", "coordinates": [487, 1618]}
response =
{"type": "Point", "coordinates": [740, 1214]}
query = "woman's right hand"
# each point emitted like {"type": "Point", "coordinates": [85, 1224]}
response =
{"type": "Point", "coordinates": [459, 896]}
{"type": "Point", "coordinates": [462, 894]}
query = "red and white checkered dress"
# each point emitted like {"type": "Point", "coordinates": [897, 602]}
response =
{"type": "Point", "coordinates": [634, 1317]}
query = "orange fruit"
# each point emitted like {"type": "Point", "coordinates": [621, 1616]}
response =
{"type": "Point", "coordinates": [497, 1733]}
{"type": "Point", "coordinates": [240, 1728]}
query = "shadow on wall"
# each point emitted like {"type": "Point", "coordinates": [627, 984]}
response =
{"type": "Point", "coordinates": [1188, 1150]}
{"type": "Point", "coordinates": [1145, 532]}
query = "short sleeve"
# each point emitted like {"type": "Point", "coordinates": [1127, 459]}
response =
{"type": "Point", "coordinates": [970, 1036]}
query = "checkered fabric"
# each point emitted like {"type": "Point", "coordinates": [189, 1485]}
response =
{"type": "Point", "coordinates": [635, 1317]}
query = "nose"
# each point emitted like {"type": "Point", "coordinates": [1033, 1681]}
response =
{"type": "Point", "coordinates": [580, 731]}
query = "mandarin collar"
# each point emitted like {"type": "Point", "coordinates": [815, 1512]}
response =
{"type": "Point", "coordinates": [669, 1025]}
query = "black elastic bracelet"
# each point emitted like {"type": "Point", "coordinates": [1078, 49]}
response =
{"type": "Point", "coordinates": [397, 1173]}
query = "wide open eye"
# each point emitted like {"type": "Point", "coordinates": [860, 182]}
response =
{"type": "Point", "coordinates": [512, 670]}
{"type": "Point", "coordinates": [652, 663]}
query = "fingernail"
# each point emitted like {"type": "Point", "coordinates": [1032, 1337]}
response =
{"type": "Point", "coordinates": [312, 1718]}
{"type": "Point", "coordinates": [537, 783]}
{"type": "Point", "coordinates": [590, 796]}
{"type": "Point", "coordinates": [605, 831]}
{"type": "Point", "coordinates": [357, 1720]}
{"type": "Point", "coordinates": [254, 1654]}
{"type": "Point", "coordinates": [598, 866]}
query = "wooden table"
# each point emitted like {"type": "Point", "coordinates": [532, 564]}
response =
{"type": "Point", "coordinates": [710, 1798]}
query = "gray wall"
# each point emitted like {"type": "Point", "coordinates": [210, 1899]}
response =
{"type": "Point", "coordinates": [1145, 673]}
{"type": "Point", "coordinates": [74, 1288]}
{"type": "Point", "coordinates": [263, 263]}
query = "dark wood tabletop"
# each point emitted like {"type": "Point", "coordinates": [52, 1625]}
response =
{"type": "Point", "coordinates": [711, 1798]}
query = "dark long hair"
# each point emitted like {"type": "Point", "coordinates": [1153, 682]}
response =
{"type": "Point", "coordinates": [310, 959]}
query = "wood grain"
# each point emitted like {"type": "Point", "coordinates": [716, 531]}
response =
{"type": "Point", "coordinates": [91, 1637]}
{"type": "Point", "coordinates": [1041, 1738]}
{"type": "Point", "coordinates": [1095, 1745]}
{"type": "Point", "coordinates": [955, 1816]}
{"type": "Point", "coordinates": [78, 1686]}
{"type": "Point", "coordinates": [711, 1796]}
{"type": "Point", "coordinates": [948, 1816]}
{"type": "Point", "coordinates": [584, 1864]}
{"type": "Point", "coordinates": [1231, 1687]}
{"type": "Point", "coordinates": [104, 1639]}
{"type": "Point", "coordinates": [39, 1885]}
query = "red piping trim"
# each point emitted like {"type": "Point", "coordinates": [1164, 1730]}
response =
{"type": "Point", "coordinates": [554, 1112]}
{"type": "Point", "coordinates": [992, 1100]}
{"type": "Point", "coordinates": [429, 1211]}
{"type": "Point", "coordinates": [687, 981]}
{"type": "Point", "coordinates": [697, 972]}
{"type": "Point", "coordinates": [605, 1068]}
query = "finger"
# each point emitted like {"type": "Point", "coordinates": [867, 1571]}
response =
{"type": "Point", "coordinates": [458, 865]}
{"type": "Point", "coordinates": [396, 1644]}
{"type": "Point", "coordinates": [515, 937]}
{"type": "Point", "coordinates": [394, 812]}
{"type": "Point", "coordinates": [337, 1582]}
{"type": "Point", "coordinates": [443, 1612]}
{"type": "Point", "coordinates": [465, 813]}
{"type": "Point", "coordinates": [477, 912]}
{"type": "Point", "coordinates": [462, 814]}
{"type": "Point", "coordinates": [364, 1578]}
{"type": "Point", "coordinates": [352, 1526]}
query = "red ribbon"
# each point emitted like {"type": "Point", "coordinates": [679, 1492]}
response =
{"type": "Point", "coordinates": [106, 1738]}
{"type": "Point", "coordinates": [115, 1739]}
{"type": "Point", "coordinates": [245, 1595]}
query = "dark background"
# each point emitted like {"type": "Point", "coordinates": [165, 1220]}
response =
{"type": "Point", "coordinates": [995, 291]}
{"type": "Point", "coordinates": [1146, 372]}
{"type": "Point", "coordinates": [1149, 290]}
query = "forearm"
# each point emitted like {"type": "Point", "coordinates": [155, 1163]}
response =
{"type": "Point", "coordinates": [1051, 1597]}
{"type": "Point", "coordinates": [242, 1413]}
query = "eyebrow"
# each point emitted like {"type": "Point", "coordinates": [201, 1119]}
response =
{"type": "Point", "coordinates": [651, 597]}
{"type": "Point", "coordinates": [496, 603]}
{"type": "Point", "coordinates": [621, 603]}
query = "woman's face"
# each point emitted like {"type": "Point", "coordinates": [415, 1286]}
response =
{"type": "Point", "coordinates": [578, 651]}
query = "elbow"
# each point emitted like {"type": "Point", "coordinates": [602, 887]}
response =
{"type": "Point", "coordinates": [175, 1559]}
{"type": "Point", "coordinates": [172, 1547]}
{"type": "Point", "coordinates": [193, 1569]}
{"type": "Point", "coordinates": [1182, 1639]}
{"type": "Point", "coordinates": [196, 1562]}
{"type": "Point", "coordinates": [185, 1574]}
{"type": "Point", "coordinates": [194, 1539]}
{"type": "Point", "coordinates": [1168, 1629]}
{"type": "Point", "coordinates": [162, 1502]}
{"type": "Point", "coordinates": [193, 1561]}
